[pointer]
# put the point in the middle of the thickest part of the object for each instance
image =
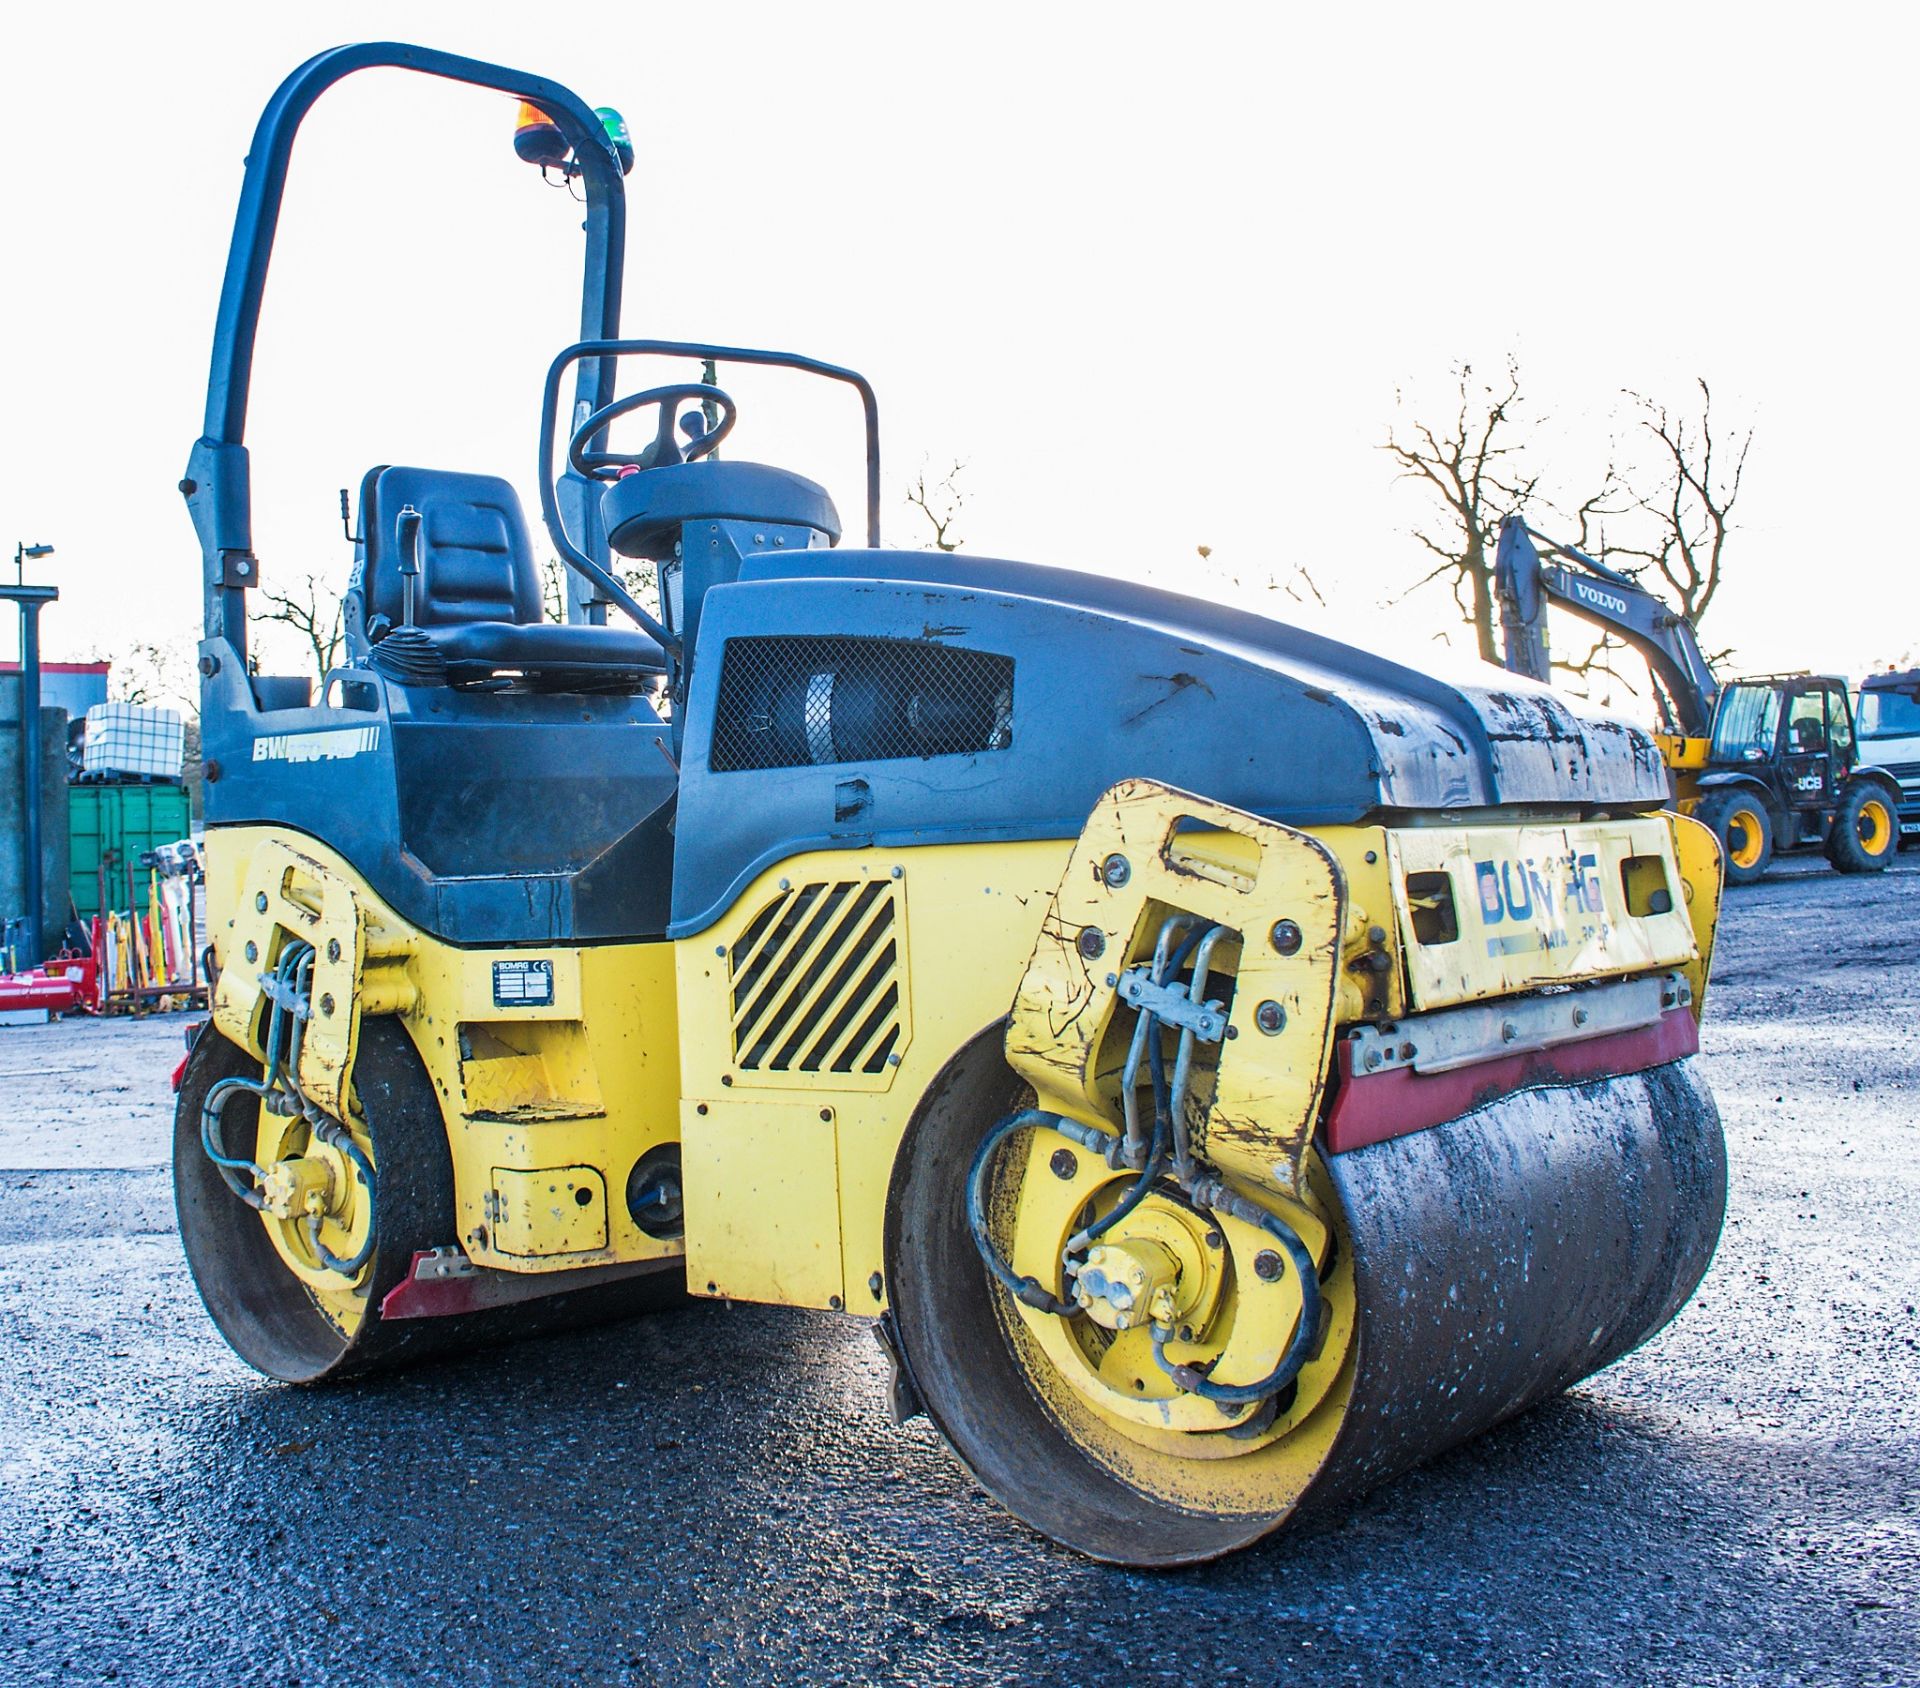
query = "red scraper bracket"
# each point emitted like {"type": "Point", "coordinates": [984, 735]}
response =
{"type": "Point", "coordinates": [1371, 1107]}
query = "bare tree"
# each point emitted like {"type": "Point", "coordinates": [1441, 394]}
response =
{"type": "Point", "coordinates": [1470, 465]}
{"type": "Point", "coordinates": [313, 610]}
{"type": "Point", "coordinates": [553, 589]}
{"type": "Point", "coordinates": [162, 674]}
{"type": "Point", "coordinates": [1675, 518]}
{"type": "Point", "coordinates": [1298, 582]}
{"type": "Point", "coordinates": [158, 674]}
{"type": "Point", "coordinates": [940, 501]}
{"type": "Point", "coordinates": [1600, 662]}
{"type": "Point", "coordinates": [1665, 520]}
{"type": "Point", "coordinates": [1692, 489]}
{"type": "Point", "coordinates": [1298, 578]}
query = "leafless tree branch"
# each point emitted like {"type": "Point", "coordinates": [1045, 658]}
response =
{"type": "Point", "coordinates": [940, 501]}
{"type": "Point", "coordinates": [313, 610]}
{"type": "Point", "coordinates": [1463, 465]}
{"type": "Point", "coordinates": [1688, 499]}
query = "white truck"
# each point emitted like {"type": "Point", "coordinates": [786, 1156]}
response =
{"type": "Point", "coordinates": [1889, 738]}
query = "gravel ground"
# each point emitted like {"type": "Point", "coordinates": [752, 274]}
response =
{"type": "Point", "coordinates": [716, 1496]}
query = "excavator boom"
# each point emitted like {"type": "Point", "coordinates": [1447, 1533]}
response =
{"type": "Point", "coordinates": [1525, 584]}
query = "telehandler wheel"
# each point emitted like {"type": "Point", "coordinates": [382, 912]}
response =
{"type": "Point", "coordinates": [288, 1319]}
{"type": "Point", "coordinates": [1481, 1267]}
{"type": "Point", "coordinates": [1740, 821]}
{"type": "Point", "coordinates": [1864, 835]}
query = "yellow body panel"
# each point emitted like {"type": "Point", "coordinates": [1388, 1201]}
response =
{"type": "Point", "coordinates": [767, 1150]}
{"type": "Point", "coordinates": [1698, 852]}
{"type": "Point", "coordinates": [567, 1091]}
{"type": "Point", "coordinates": [1679, 751]}
{"type": "Point", "coordinates": [556, 1210]}
{"type": "Point", "coordinates": [762, 1187]}
{"type": "Point", "coordinates": [1539, 905]}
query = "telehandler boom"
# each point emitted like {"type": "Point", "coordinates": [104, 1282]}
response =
{"type": "Point", "coordinates": [1228, 1066]}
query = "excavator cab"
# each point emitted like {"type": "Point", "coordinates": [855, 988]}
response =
{"type": "Point", "coordinates": [1225, 1066]}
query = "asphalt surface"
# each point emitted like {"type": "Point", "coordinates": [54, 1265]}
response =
{"type": "Point", "coordinates": [716, 1496]}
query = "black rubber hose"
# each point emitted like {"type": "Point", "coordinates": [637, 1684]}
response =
{"type": "Point", "coordinates": [211, 1141]}
{"type": "Point", "coordinates": [1157, 1145]}
{"type": "Point", "coordinates": [1306, 1332]}
{"type": "Point", "coordinates": [1029, 1289]}
{"type": "Point", "coordinates": [220, 1094]}
{"type": "Point", "coordinates": [337, 1136]}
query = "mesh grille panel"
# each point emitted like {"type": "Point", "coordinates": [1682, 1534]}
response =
{"type": "Point", "coordinates": [815, 980]}
{"type": "Point", "coordinates": [808, 701]}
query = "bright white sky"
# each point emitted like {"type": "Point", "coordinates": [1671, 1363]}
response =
{"type": "Point", "coordinates": [1153, 273]}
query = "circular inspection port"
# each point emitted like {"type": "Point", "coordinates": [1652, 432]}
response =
{"type": "Point", "coordinates": [653, 1192]}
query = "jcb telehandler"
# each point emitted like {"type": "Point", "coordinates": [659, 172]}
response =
{"type": "Point", "coordinates": [1228, 1066]}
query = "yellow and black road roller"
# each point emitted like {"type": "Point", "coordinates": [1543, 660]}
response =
{"type": "Point", "coordinates": [1229, 1067]}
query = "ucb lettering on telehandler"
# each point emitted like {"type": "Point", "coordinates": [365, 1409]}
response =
{"type": "Point", "coordinates": [1093, 985]}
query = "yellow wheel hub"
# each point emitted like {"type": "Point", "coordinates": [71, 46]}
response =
{"type": "Point", "coordinates": [1876, 827]}
{"type": "Point", "coordinates": [1743, 837]}
{"type": "Point", "coordinates": [1217, 1282]}
{"type": "Point", "coordinates": [1127, 1284]}
{"type": "Point", "coordinates": [308, 1179]}
{"type": "Point", "coordinates": [296, 1188]}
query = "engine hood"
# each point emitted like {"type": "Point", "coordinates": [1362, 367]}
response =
{"type": "Point", "coordinates": [821, 682]}
{"type": "Point", "coordinates": [1489, 739]}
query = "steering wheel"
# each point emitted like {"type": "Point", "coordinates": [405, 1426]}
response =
{"type": "Point", "coordinates": [606, 465]}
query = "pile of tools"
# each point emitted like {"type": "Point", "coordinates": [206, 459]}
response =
{"type": "Point", "coordinates": [149, 956]}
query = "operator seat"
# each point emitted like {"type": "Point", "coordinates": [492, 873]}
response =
{"type": "Point", "coordinates": [477, 607]}
{"type": "Point", "coordinates": [1807, 736]}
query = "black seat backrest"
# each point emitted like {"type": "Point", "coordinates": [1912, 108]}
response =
{"type": "Point", "coordinates": [476, 556]}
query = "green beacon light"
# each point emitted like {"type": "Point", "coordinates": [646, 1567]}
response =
{"type": "Point", "coordinates": [616, 127]}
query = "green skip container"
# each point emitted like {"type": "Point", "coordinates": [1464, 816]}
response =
{"type": "Point", "coordinates": [117, 824]}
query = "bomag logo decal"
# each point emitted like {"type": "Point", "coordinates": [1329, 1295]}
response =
{"type": "Point", "coordinates": [1549, 903]}
{"type": "Point", "coordinates": [336, 744]}
{"type": "Point", "coordinates": [1599, 599]}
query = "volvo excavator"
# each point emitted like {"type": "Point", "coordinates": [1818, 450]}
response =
{"type": "Point", "coordinates": [1225, 1066]}
{"type": "Point", "coordinates": [1769, 763]}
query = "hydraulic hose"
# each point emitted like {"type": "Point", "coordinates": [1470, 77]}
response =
{"type": "Point", "coordinates": [1156, 1149]}
{"type": "Point", "coordinates": [336, 1136]}
{"type": "Point", "coordinates": [230, 1166]}
{"type": "Point", "coordinates": [219, 1095]}
{"type": "Point", "coordinates": [289, 991]}
{"type": "Point", "coordinates": [1028, 1289]}
{"type": "Point", "coordinates": [1212, 1193]}
{"type": "Point", "coordinates": [1162, 1139]}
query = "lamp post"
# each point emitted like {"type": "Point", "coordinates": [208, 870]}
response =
{"type": "Point", "coordinates": [20, 555]}
{"type": "Point", "coordinates": [30, 599]}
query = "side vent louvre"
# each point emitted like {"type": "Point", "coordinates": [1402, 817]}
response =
{"type": "Point", "coordinates": [816, 980]}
